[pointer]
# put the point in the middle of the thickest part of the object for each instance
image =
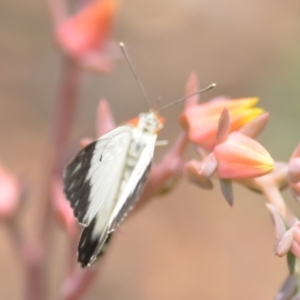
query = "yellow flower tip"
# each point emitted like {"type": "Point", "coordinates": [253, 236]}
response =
{"type": "Point", "coordinates": [247, 102]}
{"type": "Point", "coordinates": [201, 120]}
{"type": "Point", "coordinates": [267, 165]}
{"type": "Point", "coordinates": [257, 156]}
{"type": "Point", "coordinates": [241, 103]}
{"type": "Point", "coordinates": [241, 118]}
{"type": "Point", "coordinates": [256, 111]}
{"type": "Point", "coordinates": [241, 109]}
{"type": "Point", "coordinates": [251, 114]}
{"type": "Point", "coordinates": [252, 101]}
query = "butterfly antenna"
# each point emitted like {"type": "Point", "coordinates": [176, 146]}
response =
{"type": "Point", "coordinates": [158, 101]}
{"type": "Point", "coordinates": [188, 96]}
{"type": "Point", "coordinates": [134, 73]}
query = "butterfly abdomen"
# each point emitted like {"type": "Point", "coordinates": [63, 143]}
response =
{"type": "Point", "coordinates": [133, 155]}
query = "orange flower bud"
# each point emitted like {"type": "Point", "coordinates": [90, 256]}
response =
{"type": "Point", "coordinates": [242, 157]}
{"type": "Point", "coordinates": [87, 30]}
{"type": "Point", "coordinates": [201, 121]}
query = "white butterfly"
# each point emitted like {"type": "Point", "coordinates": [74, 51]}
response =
{"type": "Point", "coordinates": [106, 178]}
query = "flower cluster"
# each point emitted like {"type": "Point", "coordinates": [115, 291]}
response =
{"type": "Point", "coordinates": [223, 132]}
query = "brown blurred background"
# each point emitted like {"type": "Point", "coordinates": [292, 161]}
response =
{"type": "Point", "coordinates": [191, 244]}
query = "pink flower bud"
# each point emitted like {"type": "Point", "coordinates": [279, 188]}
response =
{"type": "Point", "coordinates": [9, 193]}
{"type": "Point", "coordinates": [85, 35]}
{"type": "Point", "coordinates": [201, 121]}
{"type": "Point", "coordinates": [242, 157]}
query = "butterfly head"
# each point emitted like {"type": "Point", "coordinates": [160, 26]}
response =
{"type": "Point", "coordinates": [150, 122]}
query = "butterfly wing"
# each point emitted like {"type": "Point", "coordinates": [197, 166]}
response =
{"type": "Point", "coordinates": [91, 180]}
{"type": "Point", "coordinates": [135, 184]}
{"type": "Point", "coordinates": [94, 237]}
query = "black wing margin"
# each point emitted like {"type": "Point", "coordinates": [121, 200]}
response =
{"type": "Point", "coordinates": [77, 187]}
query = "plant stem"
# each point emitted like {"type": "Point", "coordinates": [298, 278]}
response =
{"type": "Point", "coordinates": [77, 283]}
{"type": "Point", "coordinates": [61, 128]}
{"type": "Point", "coordinates": [274, 197]}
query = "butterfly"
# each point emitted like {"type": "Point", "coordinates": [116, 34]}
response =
{"type": "Point", "coordinates": [105, 179]}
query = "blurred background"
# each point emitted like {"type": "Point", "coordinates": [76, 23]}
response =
{"type": "Point", "coordinates": [190, 244]}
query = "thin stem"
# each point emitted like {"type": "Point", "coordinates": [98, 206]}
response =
{"type": "Point", "coordinates": [274, 197]}
{"type": "Point", "coordinates": [63, 120]}
{"type": "Point", "coordinates": [30, 258]}
{"type": "Point", "coordinates": [270, 186]}
{"type": "Point", "coordinates": [35, 282]}
{"type": "Point", "coordinates": [65, 112]}
{"type": "Point", "coordinates": [77, 283]}
{"type": "Point", "coordinates": [61, 128]}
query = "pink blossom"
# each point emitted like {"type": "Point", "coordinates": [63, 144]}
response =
{"type": "Point", "coordinates": [242, 157]}
{"type": "Point", "coordinates": [85, 36]}
{"type": "Point", "coordinates": [201, 120]}
{"type": "Point", "coordinates": [9, 193]}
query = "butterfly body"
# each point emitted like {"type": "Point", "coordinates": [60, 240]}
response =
{"type": "Point", "coordinates": [105, 179]}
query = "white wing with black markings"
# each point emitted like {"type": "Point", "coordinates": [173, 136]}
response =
{"type": "Point", "coordinates": [91, 180]}
{"type": "Point", "coordinates": [94, 237]}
